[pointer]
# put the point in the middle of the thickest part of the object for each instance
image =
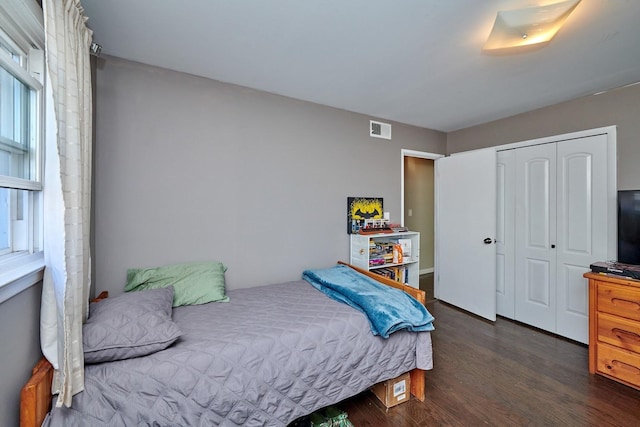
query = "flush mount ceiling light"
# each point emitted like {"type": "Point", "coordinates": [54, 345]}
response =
{"type": "Point", "coordinates": [531, 26]}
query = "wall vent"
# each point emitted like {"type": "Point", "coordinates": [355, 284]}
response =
{"type": "Point", "coordinates": [379, 129]}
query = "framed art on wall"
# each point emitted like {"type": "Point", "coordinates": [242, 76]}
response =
{"type": "Point", "coordinates": [360, 209]}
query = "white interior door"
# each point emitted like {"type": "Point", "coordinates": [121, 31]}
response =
{"type": "Point", "coordinates": [581, 228]}
{"type": "Point", "coordinates": [466, 216]}
{"type": "Point", "coordinates": [536, 236]}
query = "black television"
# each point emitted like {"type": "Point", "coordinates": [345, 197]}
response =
{"type": "Point", "coordinates": [629, 226]}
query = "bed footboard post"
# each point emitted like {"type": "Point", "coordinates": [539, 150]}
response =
{"type": "Point", "coordinates": [417, 384]}
{"type": "Point", "coordinates": [417, 375]}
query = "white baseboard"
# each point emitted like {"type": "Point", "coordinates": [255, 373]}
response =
{"type": "Point", "coordinates": [427, 270]}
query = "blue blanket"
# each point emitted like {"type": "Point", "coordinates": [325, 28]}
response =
{"type": "Point", "coordinates": [388, 309]}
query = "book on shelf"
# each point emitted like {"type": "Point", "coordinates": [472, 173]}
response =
{"type": "Point", "coordinates": [373, 262]}
{"type": "Point", "coordinates": [406, 247]}
{"type": "Point", "coordinates": [384, 272]}
{"type": "Point", "coordinates": [398, 273]}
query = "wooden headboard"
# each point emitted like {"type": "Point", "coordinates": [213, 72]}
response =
{"type": "Point", "coordinates": [35, 396]}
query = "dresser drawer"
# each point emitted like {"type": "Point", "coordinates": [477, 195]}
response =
{"type": "Point", "coordinates": [619, 300]}
{"type": "Point", "coordinates": [619, 332]}
{"type": "Point", "coordinates": [618, 363]}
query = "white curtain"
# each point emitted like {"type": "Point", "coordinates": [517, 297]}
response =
{"type": "Point", "coordinates": [67, 194]}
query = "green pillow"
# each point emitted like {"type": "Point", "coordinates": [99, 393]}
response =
{"type": "Point", "coordinates": [194, 283]}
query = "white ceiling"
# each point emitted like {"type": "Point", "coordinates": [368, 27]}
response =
{"type": "Point", "coordinates": [412, 61]}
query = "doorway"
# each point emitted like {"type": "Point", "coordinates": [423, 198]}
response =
{"type": "Point", "coordinates": [418, 209]}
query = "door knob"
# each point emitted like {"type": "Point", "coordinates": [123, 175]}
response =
{"type": "Point", "coordinates": [553, 246]}
{"type": "Point", "coordinates": [488, 241]}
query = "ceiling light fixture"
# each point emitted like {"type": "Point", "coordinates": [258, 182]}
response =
{"type": "Point", "coordinates": [528, 27]}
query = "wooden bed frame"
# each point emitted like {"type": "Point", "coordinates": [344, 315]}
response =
{"type": "Point", "coordinates": [417, 375]}
{"type": "Point", "coordinates": [35, 396]}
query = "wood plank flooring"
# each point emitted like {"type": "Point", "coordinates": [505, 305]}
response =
{"type": "Point", "coordinates": [503, 374]}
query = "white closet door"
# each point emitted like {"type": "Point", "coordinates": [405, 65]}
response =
{"type": "Point", "coordinates": [582, 230]}
{"type": "Point", "coordinates": [466, 216]}
{"type": "Point", "coordinates": [535, 302]}
{"type": "Point", "coordinates": [505, 231]}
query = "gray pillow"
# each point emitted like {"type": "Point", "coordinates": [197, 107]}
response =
{"type": "Point", "coordinates": [130, 325]}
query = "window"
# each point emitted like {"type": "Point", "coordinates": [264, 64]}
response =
{"type": "Point", "coordinates": [21, 124]}
{"type": "Point", "coordinates": [20, 153]}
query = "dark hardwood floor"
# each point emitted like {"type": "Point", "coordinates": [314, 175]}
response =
{"type": "Point", "coordinates": [426, 284]}
{"type": "Point", "coordinates": [503, 374]}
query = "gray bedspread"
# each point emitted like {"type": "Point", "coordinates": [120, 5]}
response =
{"type": "Point", "coordinates": [270, 355]}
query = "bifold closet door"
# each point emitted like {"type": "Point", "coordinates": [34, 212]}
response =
{"type": "Point", "coordinates": [560, 229]}
{"type": "Point", "coordinates": [581, 228]}
{"type": "Point", "coordinates": [535, 236]}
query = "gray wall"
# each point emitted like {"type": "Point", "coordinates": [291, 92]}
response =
{"type": "Point", "coordinates": [619, 107]}
{"type": "Point", "coordinates": [19, 349]}
{"type": "Point", "coordinates": [191, 169]}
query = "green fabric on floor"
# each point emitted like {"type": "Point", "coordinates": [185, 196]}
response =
{"type": "Point", "coordinates": [338, 417]}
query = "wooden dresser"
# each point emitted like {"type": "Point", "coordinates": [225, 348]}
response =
{"type": "Point", "coordinates": [614, 328]}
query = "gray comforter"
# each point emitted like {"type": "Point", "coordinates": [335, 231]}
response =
{"type": "Point", "coordinates": [270, 355]}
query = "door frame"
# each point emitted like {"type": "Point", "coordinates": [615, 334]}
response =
{"type": "Point", "coordinates": [420, 155]}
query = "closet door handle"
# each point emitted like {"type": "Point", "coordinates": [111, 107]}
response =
{"type": "Point", "coordinates": [488, 241]}
{"type": "Point", "coordinates": [553, 246]}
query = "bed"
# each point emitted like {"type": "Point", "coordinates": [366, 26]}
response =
{"type": "Point", "coordinates": [269, 356]}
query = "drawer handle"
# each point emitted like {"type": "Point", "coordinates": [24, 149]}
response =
{"type": "Point", "coordinates": [623, 302]}
{"type": "Point", "coordinates": [618, 364]}
{"type": "Point", "coordinates": [622, 334]}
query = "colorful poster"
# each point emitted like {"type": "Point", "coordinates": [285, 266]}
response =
{"type": "Point", "coordinates": [361, 208]}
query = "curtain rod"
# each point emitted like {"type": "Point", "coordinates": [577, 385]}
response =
{"type": "Point", "coordinates": [95, 49]}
